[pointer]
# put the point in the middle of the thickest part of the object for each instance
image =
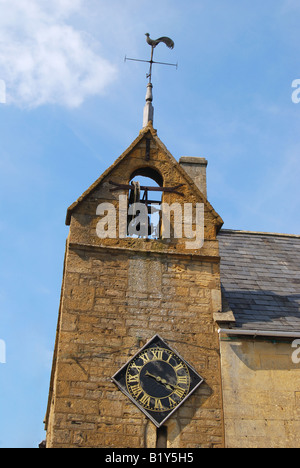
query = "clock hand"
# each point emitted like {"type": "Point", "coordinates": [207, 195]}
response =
{"type": "Point", "coordinates": [164, 382]}
{"type": "Point", "coordinates": [158, 379]}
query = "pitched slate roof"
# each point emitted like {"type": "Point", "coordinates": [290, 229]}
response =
{"type": "Point", "coordinates": [260, 276]}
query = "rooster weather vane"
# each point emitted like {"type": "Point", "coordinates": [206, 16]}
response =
{"type": "Point", "coordinates": [154, 43]}
{"type": "Point", "coordinates": [149, 109]}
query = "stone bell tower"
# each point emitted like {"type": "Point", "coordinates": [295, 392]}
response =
{"type": "Point", "coordinates": [117, 293]}
{"type": "Point", "coordinates": [125, 281]}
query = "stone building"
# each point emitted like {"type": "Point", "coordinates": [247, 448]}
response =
{"type": "Point", "coordinates": [260, 279]}
{"type": "Point", "coordinates": [228, 306]}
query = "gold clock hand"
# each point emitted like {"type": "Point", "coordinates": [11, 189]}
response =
{"type": "Point", "coordinates": [168, 384]}
{"type": "Point", "coordinates": [150, 375]}
{"type": "Point", "coordinates": [162, 381]}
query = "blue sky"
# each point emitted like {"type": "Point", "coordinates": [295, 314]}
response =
{"type": "Point", "coordinates": [73, 106]}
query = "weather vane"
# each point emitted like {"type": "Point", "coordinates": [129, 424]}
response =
{"type": "Point", "coordinates": [153, 43]}
{"type": "Point", "coordinates": [148, 109]}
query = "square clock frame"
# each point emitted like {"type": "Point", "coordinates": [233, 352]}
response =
{"type": "Point", "coordinates": [157, 380]}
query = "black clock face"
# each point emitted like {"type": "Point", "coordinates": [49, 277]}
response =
{"type": "Point", "coordinates": [157, 380]}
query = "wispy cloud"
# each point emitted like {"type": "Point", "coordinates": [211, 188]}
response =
{"type": "Point", "coordinates": [44, 59]}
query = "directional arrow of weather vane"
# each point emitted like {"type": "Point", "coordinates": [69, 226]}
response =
{"type": "Point", "coordinates": [153, 43]}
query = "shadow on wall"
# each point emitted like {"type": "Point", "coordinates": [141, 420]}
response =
{"type": "Point", "coordinates": [180, 419]}
{"type": "Point", "coordinates": [261, 353]}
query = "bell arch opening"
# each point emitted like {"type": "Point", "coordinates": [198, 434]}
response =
{"type": "Point", "coordinates": [144, 204]}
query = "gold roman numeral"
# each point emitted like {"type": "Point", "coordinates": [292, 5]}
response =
{"type": "Point", "coordinates": [136, 390]}
{"type": "Point", "coordinates": [133, 378]}
{"type": "Point", "coordinates": [169, 358]}
{"type": "Point", "coordinates": [158, 405]}
{"type": "Point", "coordinates": [145, 358]}
{"type": "Point", "coordinates": [157, 354]}
{"type": "Point", "coordinates": [179, 392]}
{"type": "Point", "coordinates": [179, 367]}
{"type": "Point", "coordinates": [145, 400]}
{"type": "Point", "coordinates": [135, 366]}
{"type": "Point", "coordinates": [172, 402]}
{"type": "Point", "coordinates": [182, 379]}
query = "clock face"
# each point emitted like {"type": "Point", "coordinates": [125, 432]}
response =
{"type": "Point", "coordinates": [157, 380]}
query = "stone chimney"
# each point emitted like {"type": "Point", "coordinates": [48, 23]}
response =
{"type": "Point", "coordinates": [196, 169]}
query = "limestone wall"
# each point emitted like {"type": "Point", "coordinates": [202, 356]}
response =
{"type": "Point", "coordinates": [261, 390]}
{"type": "Point", "coordinates": [113, 303]}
